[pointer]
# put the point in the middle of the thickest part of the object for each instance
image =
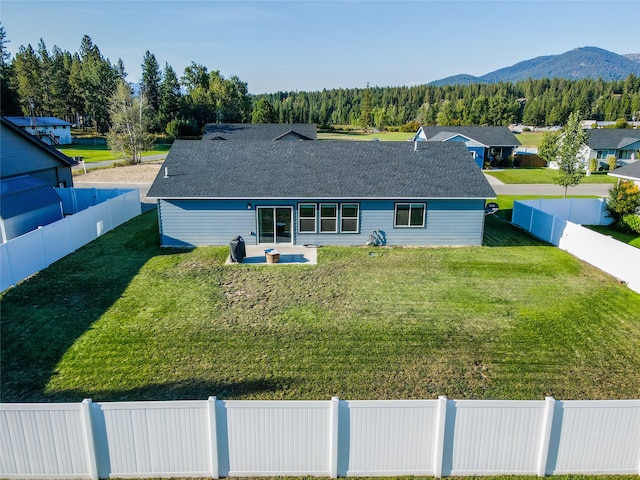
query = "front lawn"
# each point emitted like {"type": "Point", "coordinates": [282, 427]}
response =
{"type": "Point", "coordinates": [542, 175]}
{"type": "Point", "coordinates": [123, 319]}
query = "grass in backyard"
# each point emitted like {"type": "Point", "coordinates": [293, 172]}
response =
{"type": "Point", "coordinates": [529, 139]}
{"type": "Point", "coordinates": [123, 319]}
{"type": "Point", "coordinates": [100, 153]}
{"type": "Point", "coordinates": [632, 239]}
{"type": "Point", "coordinates": [354, 135]}
{"type": "Point", "coordinates": [542, 175]}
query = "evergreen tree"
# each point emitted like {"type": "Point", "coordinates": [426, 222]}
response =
{"type": "Point", "coordinates": [9, 103]}
{"type": "Point", "coordinates": [264, 112]}
{"type": "Point", "coordinates": [150, 87]}
{"type": "Point", "coordinates": [169, 96]}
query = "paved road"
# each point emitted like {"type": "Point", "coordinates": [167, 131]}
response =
{"type": "Point", "coordinates": [597, 189]}
{"type": "Point", "coordinates": [108, 163]}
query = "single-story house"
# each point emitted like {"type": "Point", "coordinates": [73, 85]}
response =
{"type": "Point", "coordinates": [488, 145]}
{"type": "Point", "coordinates": [26, 203]}
{"type": "Point", "coordinates": [249, 132]}
{"type": "Point", "coordinates": [23, 154]}
{"type": "Point", "coordinates": [623, 143]}
{"type": "Point", "coordinates": [628, 172]}
{"type": "Point", "coordinates": [326, 193]}
{"type": "Point", "coordinates": [50, 130]}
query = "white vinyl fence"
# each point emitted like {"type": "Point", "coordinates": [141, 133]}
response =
{"type": "Point", "coordinates": [95, 212]}
{"type": "Point", "coordinates": [333, 438]}
{"type": "Point", "coordinates": [557, 222]}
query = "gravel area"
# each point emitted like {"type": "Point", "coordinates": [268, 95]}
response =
{"type": "Point", "coordinates": [143, 173]}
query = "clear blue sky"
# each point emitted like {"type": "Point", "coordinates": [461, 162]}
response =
{"type": "Point", "coordinates": [300, 45]}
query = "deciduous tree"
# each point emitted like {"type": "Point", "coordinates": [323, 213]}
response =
{"type": "Point", "coordinates": [572, 139]}
{"type": "Point", "coordinates": [127, 135]}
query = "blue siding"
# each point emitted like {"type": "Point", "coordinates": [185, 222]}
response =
{"type": "Point", "coordinates": [216, 222]}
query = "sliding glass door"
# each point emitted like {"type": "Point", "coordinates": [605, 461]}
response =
{"type": "Point", "coordinates": [274, 225]}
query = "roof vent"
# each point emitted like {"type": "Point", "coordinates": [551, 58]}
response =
{"type": "Point", "coordinates": [415, 145]}
{"type": "Point", "coordinates": [166, 172]}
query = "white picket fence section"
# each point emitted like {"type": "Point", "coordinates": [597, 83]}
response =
{"type": "Point", "coordinates": [95, 212]}
{"type": "Point", "coordinates": [546, 220]}
{"type": "Point", "coordinates": [216, 438]}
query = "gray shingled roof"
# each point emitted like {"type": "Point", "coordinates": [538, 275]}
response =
{"type": "Point", "coordinates": [489, 136]}
{"type": "Point", "coordinates": [611, 138]}
{"type": "Point", "coordinates": [258, 131]}
{"type": "Point", "coordinates": [326, 169]}
{"type": "Point", "coordinates": [631, 171]}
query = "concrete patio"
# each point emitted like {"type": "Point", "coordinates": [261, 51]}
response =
{"type": "Point", "coordinates": [289, 255]}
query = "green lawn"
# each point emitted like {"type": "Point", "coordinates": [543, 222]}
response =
{"type": "Point", "coordinates": [529, 139]}
{"type": "Point", "coordinates": [542, 175]}
{"type": "Point", "coordinates": [100, 153]}
{"type": "Point", "coordinates": [123, 319]}
{"type": "Point", "coordinates": [353, 135]}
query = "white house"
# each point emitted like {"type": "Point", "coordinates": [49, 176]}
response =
{"type": "Point", "coordinates": [50, 130]}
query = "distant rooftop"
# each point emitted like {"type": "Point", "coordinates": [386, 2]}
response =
{"type": "Point", "coordinates": [260, 131]}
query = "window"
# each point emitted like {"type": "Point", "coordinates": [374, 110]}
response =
{"type": "Point", "coordinates": [603, 154]}
{"type": "Point", "coordinates": [328, 217]}
{"type": "Point", "coordinates": [307, 218]}
{"type": "Point", "coordinates": [349, 217]}
{"type": "Point", "coordinates": [410, 214]}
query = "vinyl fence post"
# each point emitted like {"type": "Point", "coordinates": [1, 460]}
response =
{"type": "Point", "coordinates": [545, 437]}
{"type": "Point", "coordinates": [333, 436]}
{"type": "Point", "coordinates": [88, 439]}
{"type": "Point", "coordinates": [213, 437]}
{"type": "Point", "coordinates": [438, 441]}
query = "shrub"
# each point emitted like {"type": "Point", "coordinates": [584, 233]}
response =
{"type": "Point", "coordinates": [629, 223]}
{"type": "Point", "coordinates": [612, 161]}
{"type": "Point", "coordinates": [624, 199]}
{"type": "Point", "coordinates": [411, 126]}
{"type": "Point", "coordinates": [526, 129]}
{"type": "Point", "coordinates": [593, 165]}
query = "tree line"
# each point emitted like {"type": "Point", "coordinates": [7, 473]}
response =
{"type": "Point", "coordinates": [542, 102]}
{"type": "Point", "coordinates": [78, 87]}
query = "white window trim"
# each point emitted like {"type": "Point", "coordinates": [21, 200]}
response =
{"type": "Point", "coordinates": [395, 214]}
{"type": "Point", "coordinates": [315, 218]}
{"type": "Point", "coordinates": [320, 217]}
{"type": "Point", "coordinates": [356, 218]}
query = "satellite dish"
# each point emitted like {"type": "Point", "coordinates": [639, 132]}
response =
{"type": "Point", "coordinates": [491, 208]}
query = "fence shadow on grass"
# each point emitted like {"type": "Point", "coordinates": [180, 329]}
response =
{"type": "Point", "coordinates": [43, 316]}
{"type": "Point", "coordinates": [498, 232]}
{"type": "Point", "coordinates": [186, 390]}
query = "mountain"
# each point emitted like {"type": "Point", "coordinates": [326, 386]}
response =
{"type": "Point", "coordinates": [585, 62]}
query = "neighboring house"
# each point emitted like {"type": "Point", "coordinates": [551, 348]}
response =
{"type": "Point", "coordinates": [628, 172]}
{"type": "Point", "coordinates": [23, 154]}
{"type": "Point", "coordinates": [488, 145]}
{"type": "Point", "coordinates": [249, 132]}
{"type": "Point", "coordinates": [50, 130]}
{"type": "Point", "coordinates": [623, 143]}
{"type": "Point", "coordinates": [26, 203]}
{"type": "Point", "coordinates": [325, 193]}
